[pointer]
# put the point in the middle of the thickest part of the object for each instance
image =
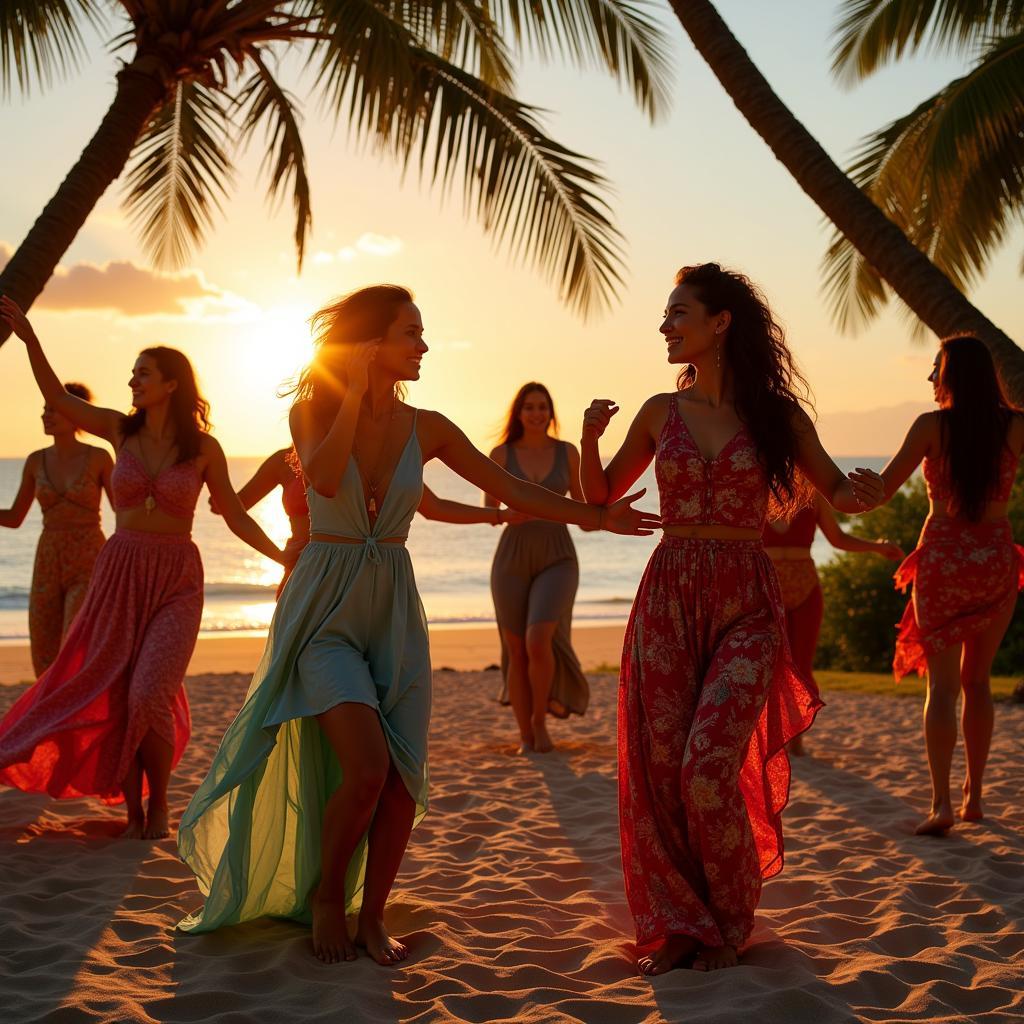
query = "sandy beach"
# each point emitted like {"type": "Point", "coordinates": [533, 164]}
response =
{"type": "Point", "coordinates": [510, 896]}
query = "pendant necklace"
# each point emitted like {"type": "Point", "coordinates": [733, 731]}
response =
{"type": "Point", "coordinates": [150, 503]}
{"type": "Point", "coordinates": [373, 481]}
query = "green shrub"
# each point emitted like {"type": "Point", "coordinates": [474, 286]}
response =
{"type": "Point", "coordinates": [863, 608]}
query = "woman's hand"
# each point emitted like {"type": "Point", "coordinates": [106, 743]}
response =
{"type": "Point", "coordinates": [356, 365]}
{"type": "Point", "coordinates": [621, 517]}
{"type": "Point", "coordinates": [889, 550]}
{"type": "Point", "coordinates": [512, 517]}
{"type": "Point", "coordinates": [868, 488]}
{"type": "Point", "coordinates": [597, 417]}
{"type": "Point", "coordinates": [11, 314]}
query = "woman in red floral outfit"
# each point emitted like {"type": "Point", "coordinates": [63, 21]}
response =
{"type": "Point", "coordinates": [966, 570]}
{"type": "Point", "coordinates": [709, 696]}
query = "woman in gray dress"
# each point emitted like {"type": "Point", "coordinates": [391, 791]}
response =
{"type": "Point", "coordinates": [535, 574]}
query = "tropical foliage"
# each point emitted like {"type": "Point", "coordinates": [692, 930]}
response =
{"type": "Point", "coordinates": [950, 172]}
{"type": "Point", "coordinates": [430, 82]}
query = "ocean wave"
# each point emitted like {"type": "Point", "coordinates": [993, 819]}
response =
{"type": "Point", "coordinates": [16, 598]}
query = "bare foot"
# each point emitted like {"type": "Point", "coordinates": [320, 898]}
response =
{"type": "Point", "coordinates": [674, 952]}
{"type": "Point", "coordinates": [135, 829]}
{"type": "Point", "coordinates": [526, 747]}
{"type": "Point", "coordinates": [971, 810]}
{"type": "Point", "coordinates": [796, 746]}
{"type": "Point", "coordinates": [714, 958]}
{"type": "Point", "coordinates": [938, 823]}
{"type": "Point", "coordinates": [158, 825]}
{"type": "Point", "coordinates": [331, 943]}
{"type": "Point", "coordinates": [382, 947]}
{"type": "Point", "coordinates": [541, 740]}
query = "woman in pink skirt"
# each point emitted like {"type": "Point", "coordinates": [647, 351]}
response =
{"type": "Point", "coordinates": [709, 694]}
{"type": "Point", "coordinates": [110, 718]}
{"type": "Point", "coordinates": [966, 569]}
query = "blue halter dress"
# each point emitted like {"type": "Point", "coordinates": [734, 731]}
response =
{"type": "Point", "coordinates": [349, 627]}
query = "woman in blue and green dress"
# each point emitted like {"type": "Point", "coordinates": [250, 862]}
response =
{"type": "Point", "coordinates": [309, 803]}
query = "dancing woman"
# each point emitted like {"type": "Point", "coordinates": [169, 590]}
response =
{"type": "Point", "coordinates": [68, 480]}
{"type": "Point", "coordinates": [787, 542]}
{"type": "Point", "coordinates": [534, 576]}
{"type": "Point", "coordinates": [966, 569]}
{"type": "Point", "coordinates": [324, 770]}
{"type": "Point", "coordinates": [709, 696]}
{"type": "Point", "coordinates": [110, 718]}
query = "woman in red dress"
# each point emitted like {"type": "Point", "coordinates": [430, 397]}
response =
{"type": "Point", "coordinates": [709, 695]}
{"type": "Point", "coordinates": [787, 542]}
{"type": "Point", "coordinates": [966, 569]}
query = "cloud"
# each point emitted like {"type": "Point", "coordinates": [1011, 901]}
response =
{"type": "Point", "coordinates": [369, 243]}
{"type": "Point", "coordinates": [123, 287]}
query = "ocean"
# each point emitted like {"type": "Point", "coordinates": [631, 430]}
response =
{"type": "Point", "coordinates": [452, 563]}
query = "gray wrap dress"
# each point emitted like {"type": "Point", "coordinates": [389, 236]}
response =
{"type": "Point", "coordinates": [534, 577]}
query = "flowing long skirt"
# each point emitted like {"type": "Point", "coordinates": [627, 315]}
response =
{"type": "Point", "coordinates": [805, 607]}
{"type": "Point", "coordinates": [119, 673]}
{"type": "Point", "coordinates": [964, 575]}
{"type": "Point", "coordinates": [708, 700]}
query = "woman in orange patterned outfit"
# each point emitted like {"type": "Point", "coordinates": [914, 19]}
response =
{"type": "Point", "coordinates": [787, 542]}
{"type": "Point", "coordinates": [966, 570]}
{"type": "Point", "coordinates": [709, 696]}
{"type": "Point", "coordinates": [67, 479]}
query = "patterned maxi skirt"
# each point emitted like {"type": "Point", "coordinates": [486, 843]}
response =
{"type": "Point", "coordinates": [119, 673]}
{"type": "Point", "coordinates": [963, 574]}
{"type": "Point", "coordinates": [709, 697]}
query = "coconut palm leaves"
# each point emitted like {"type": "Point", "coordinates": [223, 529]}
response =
{"type": "Point", "coordinates": [430, 82]}
{"type": "Point", "coordinates": [951, 172]}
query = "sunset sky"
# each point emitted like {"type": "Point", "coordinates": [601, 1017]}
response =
{"type": "Point", "coordinates": [698, 185]}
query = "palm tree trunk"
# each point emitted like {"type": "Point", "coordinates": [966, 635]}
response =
{"type": "Point", "coordinates": [921, 285]}
{"type": "Point", "coordinates": [140, 90]}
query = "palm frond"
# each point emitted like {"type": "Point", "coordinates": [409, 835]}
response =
{"type": "Point", "coordinates": [871, 33]}
{"type": "Point", "coordinates": [532, 194]}
{"type": "Point", "coordinates": [41, 40]}
{"type": "Point", "coordinates": [950, 174]}
{"type": "Point", "coordinates": [178, 172]}
{"type": "Point", "coordinates": [263, 101]}
{"type": "Point", "coordinates": [620, 35]}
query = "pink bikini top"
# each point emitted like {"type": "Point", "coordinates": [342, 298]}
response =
{"type": "Point", "coordinates": [936, 477]}
{"type": "Point", "coordinates": [728, 490]}
{"type": "Point", "coordinates": [174, 490]}
{"type": "Point", "coordinates": [799, 532]}
{"type": "Point", "coordinates": [293, 494]}
{"type": "Point", "coordinates": [76, 506]}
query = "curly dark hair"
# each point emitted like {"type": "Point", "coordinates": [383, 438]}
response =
{"type": "Point", "coordinates": [974, 423]}
{"type": "Point", "coordinates": [190, 412]}
{"type": "Point", "coordinates": [770, 393]}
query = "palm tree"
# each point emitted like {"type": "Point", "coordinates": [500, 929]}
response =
{"type": "Point", "coordinates": [908, 271]}
{"type": "Point", "coordinates": [428, 81]}
{"type": "Point", "coordinates": [951, 172]}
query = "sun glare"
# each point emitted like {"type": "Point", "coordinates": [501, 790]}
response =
{"type": "Point", "coordinates": [276, 348]}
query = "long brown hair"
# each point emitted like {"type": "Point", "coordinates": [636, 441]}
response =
{"type": "Point", "coordinates": [974, 423]}
{"type": "Point", "coordinates": [769, 391]}
{"type": "Point", "coordinates": [190, 412]}
{"type": "Point", "coordinates": [361, 315]}
{"type": "Point", "coordinates": [513, 429]}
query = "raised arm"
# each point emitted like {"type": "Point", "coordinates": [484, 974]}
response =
{"type": "Point", "coordinates": [575, 488]}
{"type": "Point", "coordinates": [859, 491]}
{"type": "Point", "coordinates": [14, 516]}
{"type": "Point", "coordinates": [105, 423]}
{"type": "Point", "coordinates": [451, 445]}
{"type": "Point", "coordinates": [444, 510]}
{"type": "Point", "coordinates": [498, 457]}
{"type": "Point", "coordinates": [601, 485]}
{"type": "Point", "coordinates": [238, 521]}
{"type": "Point", "coordinates": [920, 440]}
{"type": "Point", "coordinates": [839, 538]}
{"type": "Point", "coordinates": [260, 484]}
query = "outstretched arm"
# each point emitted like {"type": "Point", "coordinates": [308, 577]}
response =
{"type": "Point", "coordinates": [445, 511]}
{"type": "Point", "coordinates": [14, 516]}
{"type": "Point", "coordinates": [259, 485]}
{"type": "Point", "coordinates": [859, 491]}
{"type": "Point", "coordinates": [916, 445]}
{"type": "Point", "coordinates": [238, 521]}
{"type": "Point", "coordinates": [599, 484]}
{"type": "Point", "coordinates": [105, 423]}
{"type": "Point", "coordinates": [451, 445]}
{"type": "Point", "coordinates": [844, 541]}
